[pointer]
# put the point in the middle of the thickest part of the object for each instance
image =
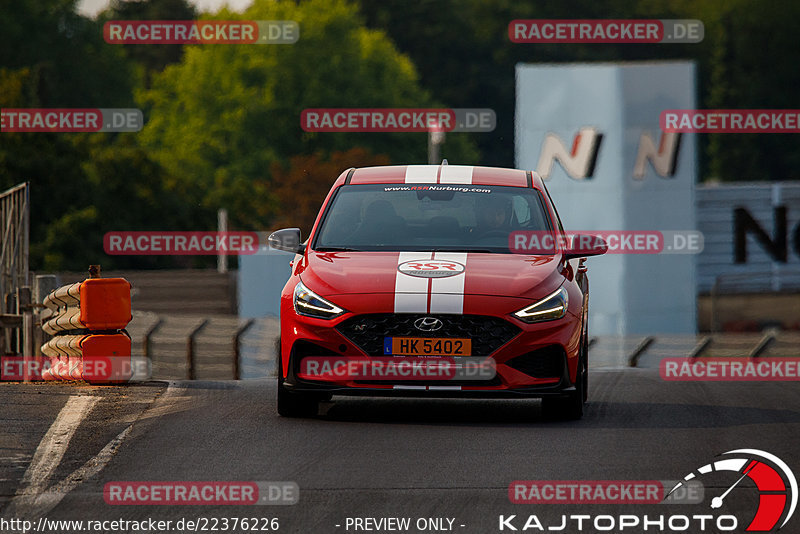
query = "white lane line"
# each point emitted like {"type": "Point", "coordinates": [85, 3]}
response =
{"type": "Point", "coordinates": [48, 500]}
{"type": "Point", "coordinates": [50, 452]}
{"type": "Point", "coordinates": [42, 503]}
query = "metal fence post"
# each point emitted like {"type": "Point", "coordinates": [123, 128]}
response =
{"type": "Point", "coordinates": [190, 371]}
{"type": "Point", "coordinates": [237, 348]}
{"type": "Point", "coordinates": [222, 228]}
{"type": "Point", "coordinates": [147, 349]}
{"type": "Point", "coordinates": [25, 309]}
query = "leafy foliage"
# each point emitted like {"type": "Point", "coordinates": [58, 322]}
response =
{"type": "Point", "coordinates": [747, 61]}
{"type": "Point", "coordinates": [219, 120]}
{"type": "Point", "coordinates": [302, 186]}
{"type": "Point", "coordinates": [151, 58]}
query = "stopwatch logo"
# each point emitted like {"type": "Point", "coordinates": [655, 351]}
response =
{"type": "Point", "coordinates": [774, 481]}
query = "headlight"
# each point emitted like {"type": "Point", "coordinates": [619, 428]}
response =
{"type": "Point", "coordinates": [306, 302]}
{"type": "Point", "coordinates": [553, 306]}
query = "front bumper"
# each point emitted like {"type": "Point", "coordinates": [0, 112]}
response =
{"type": "Point", "coordinates": [534, 361]}
{"type": "Point", "coordinates": [533, 392]}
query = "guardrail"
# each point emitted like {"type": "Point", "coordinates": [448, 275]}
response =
{"type": "Point", "coordinates": [204, 347]}
{"type": "Point", "coordinates": [87, 321]}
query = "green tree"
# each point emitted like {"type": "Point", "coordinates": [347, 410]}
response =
{"type": "Point", "coordinates": [218, 120]}
{"type": "Point", "coordinates": [70, 64]}
{"type": "Point", "coordinates": [152, 58]}
{"type": "Point", "coordinates": [754, 67]}
{"type": "Point", "coordinates": [50, 162]}
{"type": "Point", "coordinates": [121, 189]}
{"type": "Point", "coordinates": [301, 187]}
{"type": "Point", "coordinates": [82, 185]}
{"type": "Point", "coordinates": [463, 53]}
{"type": "Point", "coordinates": [747, 60]}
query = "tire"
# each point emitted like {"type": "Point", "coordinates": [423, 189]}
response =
{"type": "Point", "coordinates": [292, 404]}
{"type": "Point", "coordinates": [570, 407]}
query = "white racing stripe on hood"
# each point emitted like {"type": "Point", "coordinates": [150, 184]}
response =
{"type": "Point", "coordinates": [456, 174]}
{"type": "Point", "coordinates": [421, 174]}
{"type": "Point", "coordinates": [411, 292]}
{"type": "Point", "coordinates": [447, 294]}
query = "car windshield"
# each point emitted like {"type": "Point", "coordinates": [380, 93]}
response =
{"type": "Point", "coordinates": [429, 217]}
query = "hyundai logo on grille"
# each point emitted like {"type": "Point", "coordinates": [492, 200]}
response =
{"type": "Point", "coordinates": [428, 324]}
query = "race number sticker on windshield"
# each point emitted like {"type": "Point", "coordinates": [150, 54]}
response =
{"type": "Point", "coordinates": [431, 268]}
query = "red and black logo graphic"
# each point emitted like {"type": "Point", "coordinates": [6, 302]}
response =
{"type": "Point", "coordinates": [774, 482]}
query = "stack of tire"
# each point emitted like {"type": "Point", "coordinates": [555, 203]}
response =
{"type": "Point", "coordinates": [87, 322]}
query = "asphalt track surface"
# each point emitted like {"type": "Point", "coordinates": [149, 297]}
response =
{"type": "Point", "coordinates": [378, 457]}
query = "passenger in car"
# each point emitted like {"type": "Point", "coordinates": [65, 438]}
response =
{"type": "Point", "coordinates": [380, 225]}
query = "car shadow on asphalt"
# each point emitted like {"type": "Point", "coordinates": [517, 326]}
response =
{"type": "Point", "coordinates": [496, 412]}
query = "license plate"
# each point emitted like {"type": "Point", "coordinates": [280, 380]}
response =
{"type": "Point", "coordinates": [427, 346]}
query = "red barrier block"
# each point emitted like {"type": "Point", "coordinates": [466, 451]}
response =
{"type": "Point", "coordinates": [105, 303]}
{"type": "Point", "coordinates": [106, 358]}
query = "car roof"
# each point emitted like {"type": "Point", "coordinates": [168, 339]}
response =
{"type": "Point", "coordinates": [440, 174]}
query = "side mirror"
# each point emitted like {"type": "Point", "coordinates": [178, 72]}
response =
{"type": "Point", "coordinates": [287, 239]}
{"type": "Point", "coordinates": [586, 245]}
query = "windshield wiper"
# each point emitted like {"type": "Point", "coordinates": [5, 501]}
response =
{"type": "Point", "coordinates": [337, 249]}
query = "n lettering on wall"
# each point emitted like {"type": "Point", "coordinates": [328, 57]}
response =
{"type": "Point", "coordinates": [579, 163]}
{"type": "Point", "coordinates": [664, 159]}
{"type": "Point", "coordinates": [775, 246]}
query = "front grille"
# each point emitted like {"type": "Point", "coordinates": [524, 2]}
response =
{"type": "Point", "coordinates": [547, 362]}
{"type": "Point", "coordinates": [487, 333]}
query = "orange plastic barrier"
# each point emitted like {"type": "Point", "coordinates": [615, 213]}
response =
{"type": "Point", "coordinates": [106, 358]}
{"type": "Point", "coordinates": [105, 303]}
{"type": "Point", "coordinates": [86, 321]}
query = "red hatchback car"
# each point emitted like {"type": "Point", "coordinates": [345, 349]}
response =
{"type": "Point", "coordinates": [409, 285]}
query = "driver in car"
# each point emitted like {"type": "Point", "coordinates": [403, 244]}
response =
{"type": "Point", "coordinates": [494, 217]}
